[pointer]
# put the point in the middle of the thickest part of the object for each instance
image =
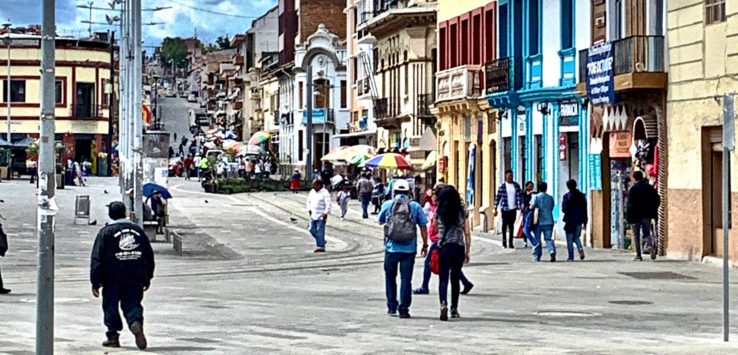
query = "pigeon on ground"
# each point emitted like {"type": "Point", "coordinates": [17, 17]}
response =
{"type": "Point", "coordinates": [93, 223]}
{"type": "Point", "coordinates": [293, 220]}
{"type": "Point", "coordinates": [206, 201]}
{"type": "Point", "coordinates": [105, 191]}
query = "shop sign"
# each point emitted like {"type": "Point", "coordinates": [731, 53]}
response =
{"type": "Point", "coordinates": [620, 143]}
{"type": "Point", "coordinates": [600, 78]}
{"type": "Point", "coordinates": [569, 114]}
{"type": "Point", "coordinates": [595, 172]}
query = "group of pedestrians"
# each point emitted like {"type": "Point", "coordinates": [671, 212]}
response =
{"type": "Point", "coordinates": [529, 214]}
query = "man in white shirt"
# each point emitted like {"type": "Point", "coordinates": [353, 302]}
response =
{"type": "Point", "coordinates": [509, 200]}
{"type": "Point", "coordinates": [319, 206]}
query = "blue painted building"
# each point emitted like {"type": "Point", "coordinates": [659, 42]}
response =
{"type": "Point", "coordinates": [543, 130]}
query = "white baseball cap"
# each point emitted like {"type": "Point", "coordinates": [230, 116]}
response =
{"type": "Point", "coordinates": [401, 186]}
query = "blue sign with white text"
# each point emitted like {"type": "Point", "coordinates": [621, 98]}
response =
{"type": "Point", "coordinates": [600, 78]}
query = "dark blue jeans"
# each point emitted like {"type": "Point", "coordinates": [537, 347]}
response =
{"type": "Point", "coordinates": [128, 297]}
{"type": "Point", "coordinates": [427, 270]}
{"type": "Point", "coordinates": [405, 261]}
{"type": "Point", "coordinates": [365, 199]}
{"type": "Point", "coordinates": [450, 262]}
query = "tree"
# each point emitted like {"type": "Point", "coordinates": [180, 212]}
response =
{"type": "Point", "coordinates": [223, 42]}
{"type": "Point", "coordinates": [174, 49]}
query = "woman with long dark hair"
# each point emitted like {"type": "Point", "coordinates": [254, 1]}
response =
{"type": "Point", "coordinates": [454, 245]}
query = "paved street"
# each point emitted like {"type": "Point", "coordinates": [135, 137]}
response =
{"type": "Point", "coordinates": [175, 117]}
{"type": "Point", "coordinates": [247, 283]}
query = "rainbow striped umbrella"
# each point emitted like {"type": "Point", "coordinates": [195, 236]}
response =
{"type": "Point", "coordinates": [259, 138]}
{"type": "Point", "coordinates": [389, 161]}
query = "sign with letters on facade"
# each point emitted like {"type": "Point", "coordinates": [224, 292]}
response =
{"type": "Point", "coordinates": [600, 78]}
{"type": "Point", "coordinates": [620, 143]}
{"type": "Point", "coordinates": [569, 114]}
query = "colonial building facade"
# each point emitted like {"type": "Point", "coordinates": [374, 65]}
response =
{"type": "Point", "coordinates": [467, 125]}
{"type": "Point", "coordinates": [82, 102]}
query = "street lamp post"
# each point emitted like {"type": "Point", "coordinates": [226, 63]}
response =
{"type": "Point", "coordinates": [7, 90]}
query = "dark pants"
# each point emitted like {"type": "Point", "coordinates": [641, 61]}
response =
{"type": "Point", "coordinates": [365, 199]}
{"type": "Point", "coordinates": [642, 226]}
{"type": "Point", "coordinates": [451, 259]}
{"type": "Point", "coordinates": [1, 279]}
{"type": "Point", "coordinates": [508, 225]}
{"type": "Point", "coordinates": [126, 296]}
{"type": "Point", "coordinates": [377, 203]}
{"type": "Point", "coordinates": [405, 261]}
{"type": "Point", "coordinates": [427, 270]}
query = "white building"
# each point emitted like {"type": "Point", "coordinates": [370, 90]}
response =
{"type": "Point", "coordinates": [325, 53]}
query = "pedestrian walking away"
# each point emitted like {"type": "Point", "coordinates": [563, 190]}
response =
{"type": "Point", "coordinates": [343, 198]}
{"type": "Point", "coordinates": [365, 188]}
{"type": "Point", "coordinates": [377, 194]}
{"type": "Point", "coordinates": [430, 209]}
{"type": "Point", "coordinates": [319, 206]}
{"type": "Point", "coordinates": [643, 206]}
{"type": "Point", "coordinates": [527, 212]}
{"type": "Point", "coordinates": [3, 250]}
{"type": "Point", "coordinates": [542, 205]}
{"type": "Point", "coordinates": [574, 207]}
{"type": "Point", "coordinates": [401, 218]}
{"type": "Point", "coordinates": [188, 163]}
{"type": "Point", "coordinates": [454, 246]}
{"type": "Point", "coordinates": [122, 264]}
{"type": "Point", "coordinates": [509, 200]}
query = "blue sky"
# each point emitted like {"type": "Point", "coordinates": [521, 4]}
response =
{"type": "Point", "coordinates": [178, 21]}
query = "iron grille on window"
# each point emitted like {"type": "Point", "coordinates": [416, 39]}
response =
{"type": "Point", "coordinates": [714, 11]}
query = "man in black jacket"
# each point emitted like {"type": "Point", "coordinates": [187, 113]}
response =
{"type": "Point", "coordinates": [123, 265]}
{"type": "Point", "coordinates": [574, 207]}
{"type": "Point", "coordinates": [643, 205]}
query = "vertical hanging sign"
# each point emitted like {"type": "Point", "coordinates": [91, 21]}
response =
{"type": "Point", "coordinates": [600, 82]}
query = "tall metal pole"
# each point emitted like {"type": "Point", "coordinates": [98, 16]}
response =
{"type": "Point", "coordinates": [47, 185]}
{"type": "Point", "coordinates": [7, 102]}
{"type": "Point", "coordinates": [728, 146]}
{"type": "Point", "coordinates": [137, 116]}
{"type": "Point", "coordinates": [111, 104]}
{"type": "Point", "coordinates": [309, 130]}
{"type": "Point", "coordinates": [123, 107]}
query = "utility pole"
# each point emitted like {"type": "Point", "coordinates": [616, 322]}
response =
{"type": "Point", "coordinates": [46, 205]}
{"type": "Point", "coordinates": [137, 102]}
{"type": "Point", "coordinates": [8, 42]}
{"type": "Point", "coordinates": [123, 106]}
{"type": "Point", "coordinates": [309, 131]}
{"type": "Point", "coordinates": [728, 146]}
{"type": "Point", "coordinates": [111, 104]}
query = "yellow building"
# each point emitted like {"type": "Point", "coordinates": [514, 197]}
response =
{"type": "Point", "coordinates": [703, 65]}
{"type": "Point", "coordinates": [82, 72]}
{"type": "Point", "coordinates": [467, 126]}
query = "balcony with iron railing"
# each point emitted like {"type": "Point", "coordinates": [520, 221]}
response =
{"type": "Point", "coordinates": [503, 75]}
{"type": "Point", "coordinates": [638, 63]}
{"type": "Point", "coordinates": [459, 83]}
{"type": "Point", "coordinates": [423, 105]}
{"type": "Point", "coordinates": [396, 12]}
{"type": "Point", "coordinates": [387, 112]}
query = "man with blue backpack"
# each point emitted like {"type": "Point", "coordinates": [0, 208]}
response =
{"type": "Point", "coordinates": [401, 217]}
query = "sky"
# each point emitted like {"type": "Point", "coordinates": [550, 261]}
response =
{"type": "Point", "coordinates": [179, 21]}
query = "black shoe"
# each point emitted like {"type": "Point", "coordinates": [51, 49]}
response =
{"type": "Point", "coordinates": [4, 291]}
{"type": "Point", "coordinates": [404, 315]}
{"type": "Point", "coordinates": [455, 313]}
{"type": "Point", "coordinates": [581, 255]}
{"type": "Point", "coordinates": [653, 253]}
{"type": "Point", "coordinates": [112, 341]}
{"type": "Point", "coordinates": [421, 291]}
{"type": "Point", "coordinates": [638, 258]}
{"type": "Point", "coordinates": [512, 246]}
{"type": "Point", "coordinates": [467, 288]}
{"type": "Point", "coordinates": [137, 330]}
{"type": "Point", "coordinates": [553, 257]}
{"type": "Point", "coordinates": [392, 312]}
{"type": "Point", "coordinates": [444, 311]}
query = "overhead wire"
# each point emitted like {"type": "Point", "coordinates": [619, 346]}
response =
{"type": "Point", "coordinates": [213, 12]}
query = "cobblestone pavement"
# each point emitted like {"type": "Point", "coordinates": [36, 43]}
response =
{"type": "Point", "coordinates": [248, 284]}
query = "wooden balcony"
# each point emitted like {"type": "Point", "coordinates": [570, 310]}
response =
{"type": "Point", "coordinates": [638, 63]}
